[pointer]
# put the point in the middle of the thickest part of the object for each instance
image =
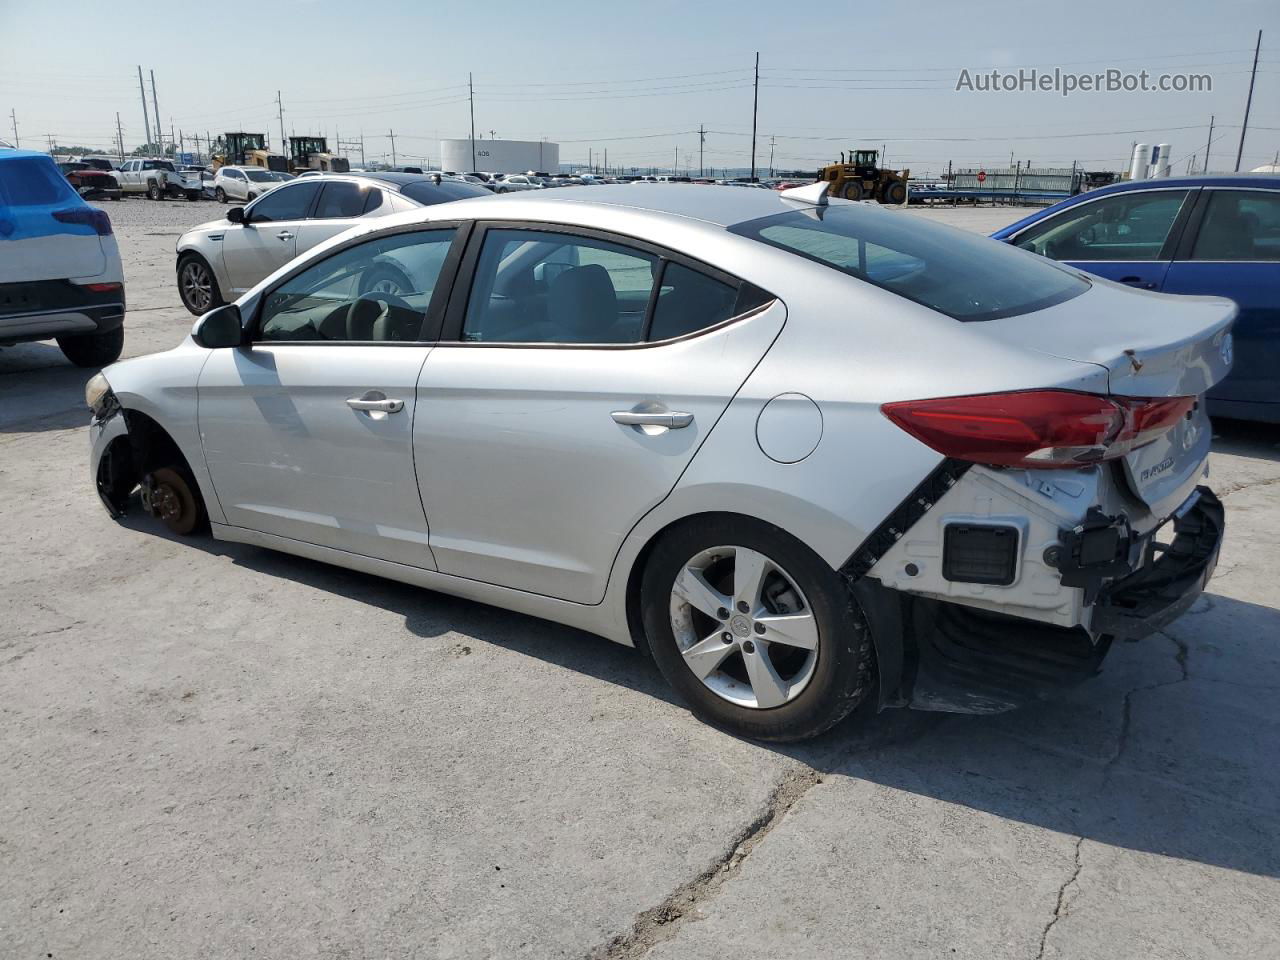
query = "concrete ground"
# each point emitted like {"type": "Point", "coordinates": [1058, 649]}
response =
{"type": "Point", "coordinates": [212, 750]}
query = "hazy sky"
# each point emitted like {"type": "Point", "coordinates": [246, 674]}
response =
{"type": "Point", "coordinates": [639, 78]}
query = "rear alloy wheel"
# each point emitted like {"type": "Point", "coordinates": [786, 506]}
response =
{"type": "Point", "coordinates": [93, 349]}
{"type": "Point", "coordinates": [154, 192]}
{"type": "Point", "coordinates": [220, 195]}
{"type": "Point", "coordinates": [197, 286]}
{"type": "Point", "coordinates": [168, 496]}
{"type": "Point", "coordinates": [756, 632]}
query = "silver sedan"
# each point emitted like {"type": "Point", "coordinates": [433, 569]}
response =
{"type": "Point", "coordinates": [803, 452]}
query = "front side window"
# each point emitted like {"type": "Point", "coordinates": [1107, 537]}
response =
{"type": "Point", "coordinates": [377, 291]}
{"type": "Point", "coordinates": [341, 199]}
{"type": "Point", "coordinates": [284, 203]}
{"type": "Point", "coordinates": [1240, 225]}
{"type": "Point", "coordinates": [962, 275]}
{"type": "Point", "coordinates": [259, 176]}
{"type": "Point", "coordinates": [542, 287]}
{"type": "Point", "coordinates": [1125, 227]}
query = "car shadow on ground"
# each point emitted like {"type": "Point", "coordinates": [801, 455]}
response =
{"type": "Point", "coordinates": [1246, 438]}
{"type": "Point", "coordinates": [1145, 757]}
{"type": "Point", "coordinates": [40, 390]}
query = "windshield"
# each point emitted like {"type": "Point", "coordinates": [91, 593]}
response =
{"type": "Point", "coordinates": [281, 176]}
{"type": "Point", "coordinates": [965, 276]}
{"type": "Point", "coordinates": [260, 176]}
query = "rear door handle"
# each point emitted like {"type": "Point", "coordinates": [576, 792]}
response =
{"type": "Point", "coordinates": [673, 421]}
{"type": "Point", "coordinates": [284, 235]}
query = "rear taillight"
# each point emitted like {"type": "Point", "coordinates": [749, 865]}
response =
{"type": "Point", "coordinates": [1038, 428]}
{"type": "Point", "coordinates": [103, 287]}
{"type": "Point", "coordinates": [87, 216]}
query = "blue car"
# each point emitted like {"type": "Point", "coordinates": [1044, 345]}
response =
{"type": "Point", "coordinates": [1215, 235]}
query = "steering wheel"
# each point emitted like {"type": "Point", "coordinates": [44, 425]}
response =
{"type": "Point", "coordinates": [366, 310]}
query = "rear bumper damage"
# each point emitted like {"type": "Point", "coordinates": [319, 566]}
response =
{"type": "Point", "coordinates": [1000, 588]}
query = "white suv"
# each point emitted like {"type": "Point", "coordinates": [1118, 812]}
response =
{"type": "Point", "coordinates": [245, 183]}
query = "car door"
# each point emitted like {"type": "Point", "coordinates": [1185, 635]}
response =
{"type": "Point", "coordinates": [549, 421]}
{"type": "Point", "coordinates": [264, 242]}
{"type": "Point", "coordinates": [1127, 236]}
{"type": "Point", "coordinates": [340, 204]}
{"type": "Point", "coordinates": [1232, 249]}
{"type": "Point", "coordinates": [307, 430]}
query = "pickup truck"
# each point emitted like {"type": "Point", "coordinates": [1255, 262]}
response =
{"type": "Point", "coordinates": [158, 179]}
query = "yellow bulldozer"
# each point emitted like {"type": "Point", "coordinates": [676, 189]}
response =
{"type": "Point", "coordinates": [860, 178]}
{"type": "Point", "coordinates": [249, 150]}
{"type": "Point", "coordinates": [312, 153]}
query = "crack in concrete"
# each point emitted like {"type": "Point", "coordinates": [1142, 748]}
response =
{"type": "Point", "coordinates": [1181, 656]}
{"type": "Point", "coordinates": [662, 922]}
{"type": "Point", "coordinates": [1060, 908]}
{"type": "Point", "coordinates": [1229, 489]}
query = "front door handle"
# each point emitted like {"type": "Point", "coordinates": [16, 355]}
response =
{"type": "Point", "coordinates": [1138, 282]}
{"type": "Point", "coordinates": [376, 404]}
{"type": "Point", "coordinates": [284, 235]}
{"type": "Point", "coordinates": [670, 420]}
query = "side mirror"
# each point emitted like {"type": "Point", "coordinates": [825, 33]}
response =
{"type": "Point", "coordinates": [236, 214]}
{"type": "Point", "coordinates": [219, 328]}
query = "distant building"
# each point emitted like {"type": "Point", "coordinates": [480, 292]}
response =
{"type": "Point", "coordinates": [500, 156]}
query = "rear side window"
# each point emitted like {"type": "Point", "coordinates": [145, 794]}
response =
{"type": "Point", "coordinates": [340, 199]}
{"type": "Point", "coordinates": [32, 182]}
{"type": "Point", "coordinates": [690, 301]}
{"type": "Point", "coordinates": [1240, 225]}
{"type": "Point", "coordinates": [962, 275]}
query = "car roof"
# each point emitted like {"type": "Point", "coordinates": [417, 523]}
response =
{"type": "Point", "coordinates": [706, 202]}
{"type": "Point", "coordinates": [454, 189]}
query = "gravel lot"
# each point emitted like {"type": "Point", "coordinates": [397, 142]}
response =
{"type": "Point", "coordinates": [216, 751]}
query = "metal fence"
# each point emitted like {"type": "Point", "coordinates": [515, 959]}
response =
{"type": "Point", "coordinates": [1010, 180]}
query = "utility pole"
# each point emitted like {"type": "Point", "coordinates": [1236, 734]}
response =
{"type": "Point", "coordinates": [119, 137]}
{"type": "Point", "coordinates": [702, 140]}
{"type": "Point", "coordinates": [1208, 145]}
{"type": "Point", "coordinates": [772, 140]}
{"type": "Point", "coordinates": [675, 164]}
{"type": "Point", "coordinates": [280, 114]}
{"type": "Point", "coordinates": [471, 93]}
{"type": "Point", "coordinates": [362, 148]}
{"type": "Point", "coordinates": [606, 161]}
{"type": "Point", "coordinates": [1249, 102]}
{"type": "Point", "coordinates": [146, 120]}
{"type": "Point", "coordinates": [755, 110]}
{"type": "Point", "coordinates": [49, 137]}
{"type": "Point", "coordinates": [392, 135]}
{"type": "Point", "coordinates": [156, 107]}
{"type": "Point", "coordinates": [14, 117]}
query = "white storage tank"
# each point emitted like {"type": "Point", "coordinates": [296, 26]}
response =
{"type": "Point", "coordinates": [1138, 167]}
{"type": "Point", "coordinates": [500, 156]}
{"type": "Point", "coordinates": [1159, 160]}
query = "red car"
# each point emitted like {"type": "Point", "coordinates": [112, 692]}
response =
{"type": "Point", "coordinates": [90, 182]}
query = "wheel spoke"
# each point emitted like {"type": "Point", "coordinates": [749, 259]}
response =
{"type": "Point", "coordinates": [749, 569]}
{"type": "Point", "coordinates": [769, 688]}
{"type": "Point", "coordinates": [706, 655]}
{"type": "Point", "coordinates": [692, 587]}
{"type": "Point", "coordinates": [792, 629]}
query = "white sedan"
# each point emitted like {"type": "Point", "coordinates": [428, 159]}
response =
{"type": "Point", "coordinates": [245, 183]}
{"type": "Point", "coordinates": [803, 452]}
{"type": "Point", "coordinates": [219, 260]}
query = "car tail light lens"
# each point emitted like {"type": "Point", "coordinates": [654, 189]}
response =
{"type": "Point", "coordinates": [87, 216]}
{"type": "Point", "coordinates": [1038, 428]}
{"type": "Point", "coordinates": [103, 287]}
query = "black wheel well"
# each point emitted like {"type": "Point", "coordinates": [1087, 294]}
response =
{"type": "Point", "coordinates": [151, 446]}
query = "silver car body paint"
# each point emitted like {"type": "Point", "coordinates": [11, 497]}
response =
{"type": "Point", "coordinates": [847, 345]}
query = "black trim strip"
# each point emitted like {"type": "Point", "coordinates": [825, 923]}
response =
{"type": "Point", "coordinates": [905, 516]}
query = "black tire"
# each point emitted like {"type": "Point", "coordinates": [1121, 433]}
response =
{"type": "Point", "coordinates": [93, 349]}
{"type": "Point", "coordinates": [220, 195]}
{"type": "Point", "coordinates": [195, 274]}
{"type": "Point", "coordinates": [895, 192]}
{"type": "Point", "coordinates": [154, 192]}
{"type": "Point", "coordinates": [387, 275]}
{"type": "Point", "coordinates": [251, 197]}
{"type": "Point", "coordinates": [844, 671]}
{"type": "Point", "coordinates": [852, 190]}
{"type": "Point", "coordinates": [502, 190]}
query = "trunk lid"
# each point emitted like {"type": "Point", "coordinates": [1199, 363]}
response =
{"type": "Point", "coordinates": [1151, 345]}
